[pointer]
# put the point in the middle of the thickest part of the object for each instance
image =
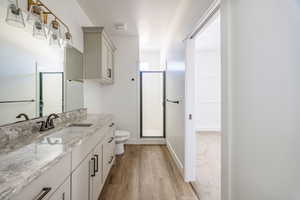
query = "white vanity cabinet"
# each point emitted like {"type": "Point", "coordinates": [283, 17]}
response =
{"type": "Point", "coordinates": [81, 180]}
{"type": "Point", "coordinates": [108, 152]}
{"type": "Point", "coordinates": [96, 172]}
{"type": "Point", "coordinates": [89, 176]}
{"type": "Point", "coordinates": [46, 185]}
{"type": "Point", "coordinates": [63, 192]}
{"type": "Point", "coordinates": [98, 56]}
{"type": "Point", "coordinates": [80, 174]}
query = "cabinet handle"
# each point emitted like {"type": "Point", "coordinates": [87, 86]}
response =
{"type": "Point", "coordinates": [63, 196]}
{"type": "Point", "coordinates": [111, 159]}
{"type": "Point", "coordinates": [97, 163]}
{"type": "Point", "coordinates": [111, 139]}
{"type": "Point", "coordinates": [94, 163]}
{"type": "Point", "coordinates": [112, 124]}
{"type": "Point", "coordinates": [43, 193]}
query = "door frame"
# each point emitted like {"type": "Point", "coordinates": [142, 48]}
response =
{"type": "Point", "coordinates": [41, 91]}
{"type": "Point", "coordinates": [163, 103]}
{"type": "Point", "coordinates": [190, 147]}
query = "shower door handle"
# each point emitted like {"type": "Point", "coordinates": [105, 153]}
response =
{"type": "Point", "coordinates": [172, 101]}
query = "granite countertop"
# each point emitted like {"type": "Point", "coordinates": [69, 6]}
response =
{"type": "Point", "coordinates": [24, 164]}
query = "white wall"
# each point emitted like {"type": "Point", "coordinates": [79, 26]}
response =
{"type": "Point", "coordinates": [262, 94]}
{"type": "Point", "coordinates": [121, 98]}
{"type": "Point", "coordinates": [175, 88]}
{"type": "Point", "coordinates": [20, 53]}
{"type": "Point", "coordinates": [152, 59]}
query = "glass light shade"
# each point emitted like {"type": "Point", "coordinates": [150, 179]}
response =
{"type": "Point", "coordinates": [54, 34]}
{"type": "Point", "coordinates": [39, 31]}
{"type": "Point", "coordinates": [34, 14]}
{"type": "Point", "coordinates": [54, 27]}
{"type": "Point", "coordinates": [54, 40]}
{"type": "Point", "coordinates": [14, 16]}
{"type": "Point", "coordinates": [67, 39]}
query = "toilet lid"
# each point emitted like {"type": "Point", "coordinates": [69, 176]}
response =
{"type": "Point", "coordinates": [119, 133]}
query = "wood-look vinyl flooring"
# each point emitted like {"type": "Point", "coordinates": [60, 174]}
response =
{"type": "Point", "coordinates": [146, 172]}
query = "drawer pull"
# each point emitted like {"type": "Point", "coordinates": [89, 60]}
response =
{"type": "Point", "coordinates": [111, 159]}
{"type": "Point", "coordinates": [97, 163]}
{"type": "Point", "coordinates": [112, 124]}
{"type": "Point", "coordinates": [94, 166]}
{"type": "Point", "coordinates": [43, 193]}
{"type": "Point", "coordinates": [111, 139]}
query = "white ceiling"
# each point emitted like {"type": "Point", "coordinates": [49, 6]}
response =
{"type": "Point", "coordinates": [150, 19]}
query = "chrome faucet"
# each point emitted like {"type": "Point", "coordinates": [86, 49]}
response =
{"type": "Point", "coordinates": [23, 115]}
{"type": "Point", "coordinates": [48, 124]}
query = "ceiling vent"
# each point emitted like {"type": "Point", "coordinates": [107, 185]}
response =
{"type": "Point", "coordinates": [120, 26]}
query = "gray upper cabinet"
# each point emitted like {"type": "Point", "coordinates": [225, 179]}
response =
{"type": "Point", "coordinates": [73, 64]}
{"type": "Point", "coordinates": [98, 56]}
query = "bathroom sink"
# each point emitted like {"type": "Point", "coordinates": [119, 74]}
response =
{"type": "Point", "coordinates": [80, 125]}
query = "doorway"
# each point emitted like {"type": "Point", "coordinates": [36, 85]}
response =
{"type": "Point", "coordinates": [203, 85]}
{"type": "Point", "coordinates": [152, 104]}
{"type": "Point", "coordinates": [51, 93]}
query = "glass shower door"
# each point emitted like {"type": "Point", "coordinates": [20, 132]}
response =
{"type": "Point", "coordinates": [152, 104]}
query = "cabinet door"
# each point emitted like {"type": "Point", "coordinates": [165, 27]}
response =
{"type": "Point", "coordinates": [104, 58]}
{"type": "Point", "coordinates": [73, 64]}
{"type": "Point", "coordinates": [81, 181]}
{"type": "Point", "coordinates": [110, 64]}
{"type": "Point", "coordinates": [108, 153]}
{"type": "Point", "coordinates": [97, 179]}
{"type": "Point", "coordinates": [63, 192]}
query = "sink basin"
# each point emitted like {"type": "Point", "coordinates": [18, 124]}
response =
{"type": "Point", "coordinates": [80, 125]}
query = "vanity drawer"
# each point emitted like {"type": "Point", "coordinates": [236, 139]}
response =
{"type": "Point", "coordinates": [108, 154]}
{"type": "Point", "coordinates": [45, 185]}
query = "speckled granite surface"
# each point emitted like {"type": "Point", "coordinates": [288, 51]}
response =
{"type": "Point", "coordinates": [11, 135]}
{"type": "Point", "coordinates": [28, 154]}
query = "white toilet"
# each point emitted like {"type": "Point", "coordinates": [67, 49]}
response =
{"type": "Point", "coordinates": [121, 138]}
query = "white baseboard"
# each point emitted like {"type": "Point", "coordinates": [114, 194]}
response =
{"type": "Point", "coordinates": [146, 141]}
{"type": "Point", "coordinates": [176, 159]}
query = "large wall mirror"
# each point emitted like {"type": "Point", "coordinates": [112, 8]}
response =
{"type": "Point", "coordinates": [33, 77]}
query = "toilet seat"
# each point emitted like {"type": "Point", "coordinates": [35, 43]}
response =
{"type": "Point", "coordinates": [121, 138]}
{"type": "Point", "coordinates": [120, 133]}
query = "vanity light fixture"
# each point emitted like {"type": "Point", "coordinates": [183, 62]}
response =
{"type": "Point", "coordinates": [54, 31]}
{"type": "Point", "coordinates": [38, 14]}
{"type": "Point", "coordinates": [14, 15]}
